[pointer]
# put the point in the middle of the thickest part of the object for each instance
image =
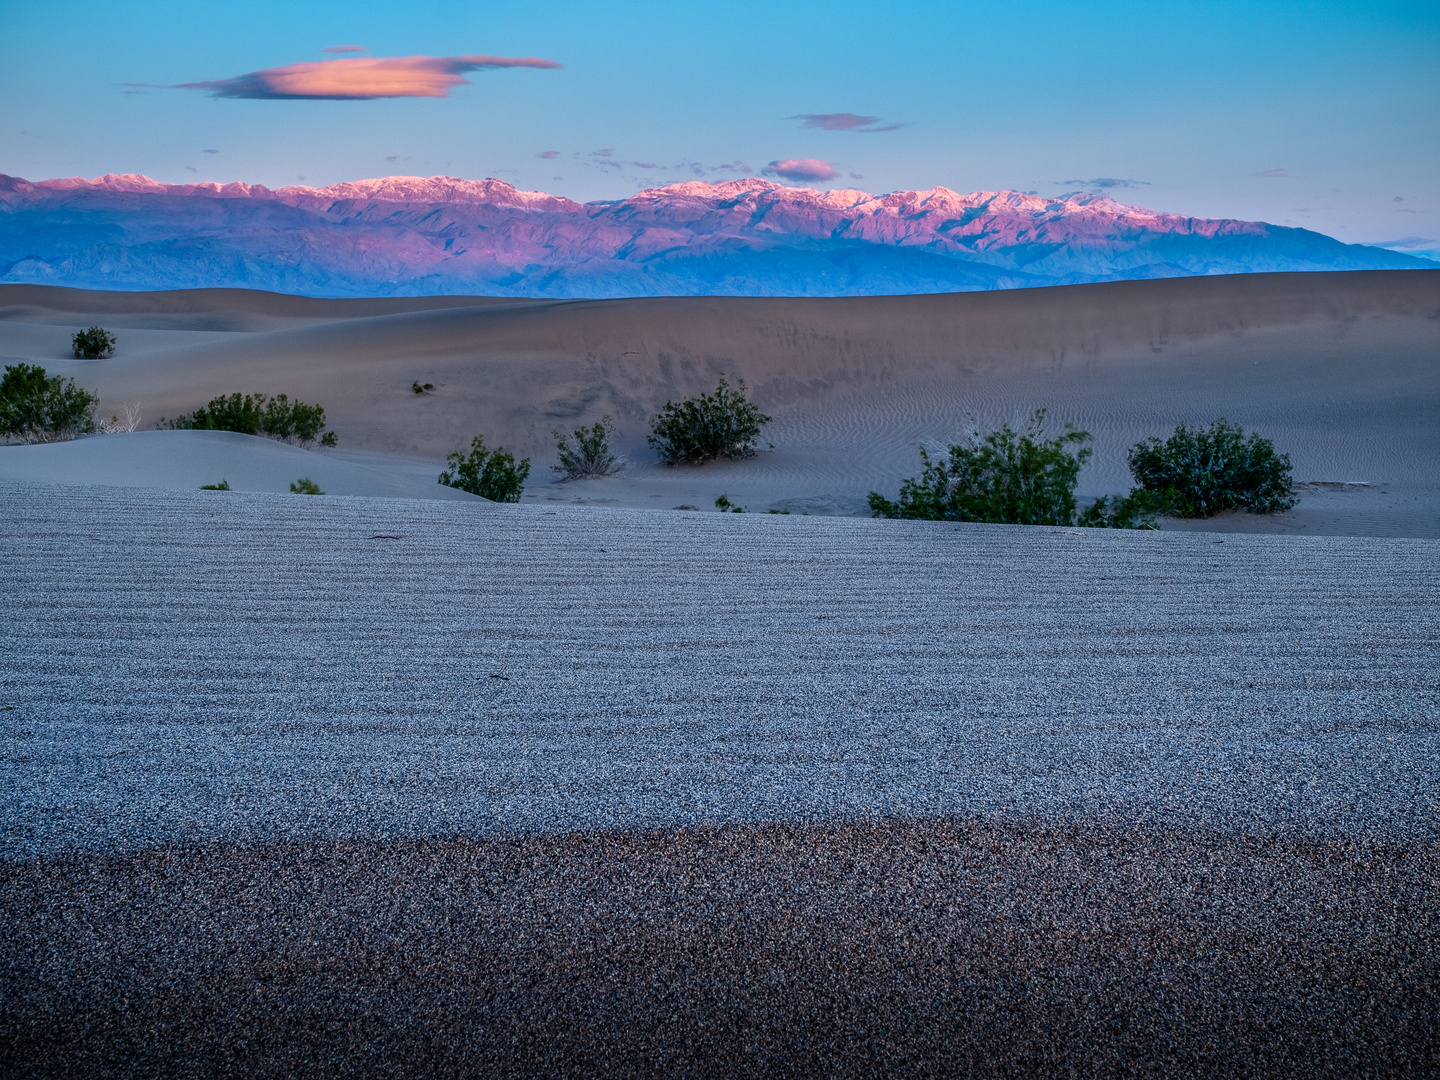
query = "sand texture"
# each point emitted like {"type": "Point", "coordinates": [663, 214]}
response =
{"type": "Point", "coordinates": [377, 786]}
{"type": "Point", "coordinates": [899, 948]}
{"type": "Point", "coordinates": [188, 460]}
{"type": "Point", "coordinates": [1341, 370]}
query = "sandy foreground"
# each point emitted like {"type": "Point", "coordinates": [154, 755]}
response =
{"type": "Point", "coordinates": [399, 782]}
{"type": "Point", "coordinates": [1341, 370]}
{"type": "Point", "coordinates": [354, 786]}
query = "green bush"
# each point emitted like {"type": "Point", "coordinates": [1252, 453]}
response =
{"type": "Point", "coordinates": [491, 474]}
{"type": "Point", "coordinates": [36, 407]}
{"type": "Point", "coordinates": [1006, 476]}
{"type": "Point", "coordinates": [1137, 510]}
{"type": "Point", "coordinates": [1199, 472]}
{"type": "Point", "coordinates": [93, 343]}
{"type": "Point", "coordinates": [305, 486]}
{"type": "Point", "coordinates": [224, 485]}
{"type": "Point", "coordinates": [700, 429]}
{"type": "Point", "coordinates": [259, 414]}
{"type": "Point", "coordinates": [589, 454]}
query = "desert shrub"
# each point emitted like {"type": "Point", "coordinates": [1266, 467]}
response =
{"type": "Point", "coordinates": [93, 343]}
{"type": "Point", "coordinates": [240, 413]}
{"type": "Point", "coordinates": [305, 486]}
{"type": "Point", "coordinates": [1018, 478]}
{"type": "Point", "coordinates": [259, 414]}
{"type": "Point", "coordinates": [1137, 510]}
{"type": "Point", "coordinates": [589, 453]}
{"type": "Point", "coordinates": [699, 429]}
{"type": "Point", "coordinates": [421, 389]}
{"type": "Point", "coordinates": [37, 407]}
{"type": "Point", "coordinates": [1198, 472]}
{"type": "Point", "coordinates": [491, 474]}
{"type": "Point", "coordinates": [224, 485]}
{"type": "Point", "coordinates": [128, 419]}
{"type": "Point", "coordinates": [286, 420]}
{"type": "Point", "coordinates": [724, 505]}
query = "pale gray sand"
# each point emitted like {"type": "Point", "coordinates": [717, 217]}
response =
{"type": "Point", "coordinates": [187, 460]}
{"type": "Point", "coordinates": [206, 667]}
{"type": "Point", "coordinates": [934, 799]}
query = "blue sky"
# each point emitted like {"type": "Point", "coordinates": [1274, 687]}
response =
{"type": "Point", "coordinates": [1323, 115]}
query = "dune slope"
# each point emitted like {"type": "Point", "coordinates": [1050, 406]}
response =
{"type": "Point", "coordinates": [1341, 370]}
{"type": "Point", "coordinates": [367, 787]}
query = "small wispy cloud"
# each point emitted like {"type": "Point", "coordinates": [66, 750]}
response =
{"type": "Point", "coordinates": [344, 48]}
{"type": "Point", "coordinates": [1106, 182]}
{"type": "Point", "coordinates": [803, 170]}
{"type": "Point", "coordinates": [361, 79]}
{"type": "Point", "coordinates": [1275, 174]}
{"type": "Point", "coordinates": [844, 121]}
{"type": "Point", "coordinates": [191, 168]}
{"type": "Point", "coordinates": [602, 159]}
{"type": "Point", "coordinates": [209, 151]}
{"type": "Point", "coordinates": [548, 154]}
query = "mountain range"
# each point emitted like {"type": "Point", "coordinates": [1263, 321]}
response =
{"type": "Point", "coordinates": [409, 236]}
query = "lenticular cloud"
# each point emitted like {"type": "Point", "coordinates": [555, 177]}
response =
{"type": "Point", "coordinates": [361, 78]}
{"type": "Point", "coordinates": [801, 169]}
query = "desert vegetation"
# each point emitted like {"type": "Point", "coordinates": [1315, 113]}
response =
{"type": "Point", "coordinates": [700, 429]}
{"type": "Point", "coordinates": [223, 485]}
{"type": "Point", "coordinates": [127, 419]}
{"type": "Point", "coordinates": [36, 407]}
{"type": "Point", "coordinates": [259, 414]}
{"type": "Point", "coordinates": [93, 343]}
{"type": "Point", "coordinates": [1025, 478]}
{"type": "Point", "coordinates": [304, 486]}
{"type": "Point", "coordinates": [491, 474]}
{"type": "Point", "coordinates": [1199, 472]}
{"type": "Point", "coordinates": [1016, 478]}
{"type": "Point", "coordinates": [586, 452]}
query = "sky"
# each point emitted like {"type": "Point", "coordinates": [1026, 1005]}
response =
{"type": "Point", "coordinates": [1324, 115]}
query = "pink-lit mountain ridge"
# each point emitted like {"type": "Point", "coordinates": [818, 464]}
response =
{"type": "Point", "coordinates": [405, 236]}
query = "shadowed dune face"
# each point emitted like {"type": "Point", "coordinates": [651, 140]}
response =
{"type": "Point", "coordinates": [1340, 369]}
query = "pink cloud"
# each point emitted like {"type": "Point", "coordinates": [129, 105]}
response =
{"type": "Point", "coordinates": [1274, 174]}
{"type": "Point", "coordinates": [549, 154]}
{"type": "Point", "coordinates": [802, 169]}
{"type": "Point", "coordinates": [344, 48]}
{"type": "Point", "coordinates": [362, 78]}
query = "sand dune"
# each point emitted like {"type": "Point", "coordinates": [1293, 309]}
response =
{"type": "Point", "coordinates": [191, 459]}
{"type": "Point", "coordinates": [357, 787]}
{"type": "Point", "coordinates": [1341, 370]}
